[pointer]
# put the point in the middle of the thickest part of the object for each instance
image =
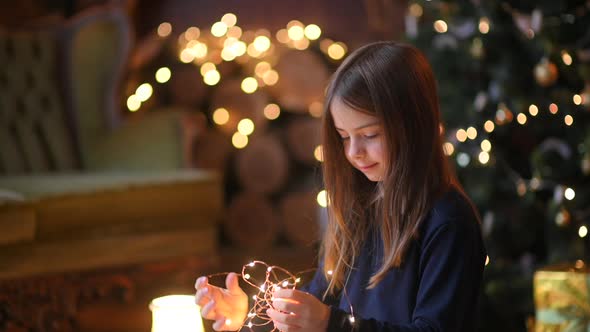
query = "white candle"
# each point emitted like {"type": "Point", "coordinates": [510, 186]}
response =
{"type": "Point", "coordinates": [176, 313]}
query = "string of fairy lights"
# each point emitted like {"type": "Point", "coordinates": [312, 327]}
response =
{"type": "Point", "coordinates": [275, 278]}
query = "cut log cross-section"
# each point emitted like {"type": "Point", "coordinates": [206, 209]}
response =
{"type": "Point", "coordinates": [263, 166]}
{"type": "Point", "coordinates": [251, 221]}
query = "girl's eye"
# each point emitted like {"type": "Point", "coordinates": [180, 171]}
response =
{"type": "Point", "coordinates": [371, 135]}
{"type": "Point", "coordinates": [345, 138]}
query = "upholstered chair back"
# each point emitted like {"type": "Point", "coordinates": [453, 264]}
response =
{"type": "Point", "coordinates": [35, 135]}
{"type": "Point", "coordinates": [59, 89]}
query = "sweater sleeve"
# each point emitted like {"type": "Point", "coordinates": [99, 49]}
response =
{"type": "Point", "coordinates": [451, 269]}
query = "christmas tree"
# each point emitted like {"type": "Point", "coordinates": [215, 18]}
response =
{"type": "Point", "coordinates": [514, 84]}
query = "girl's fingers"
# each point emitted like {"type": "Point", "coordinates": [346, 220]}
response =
{"type": "Point", "coordinates": [220, 323]}
{"type": "Point", "coordinates": [291, 294]}
{"type": "Point", "coordinates": [286, 305]}
{"type": "Point", "coordinates": [283, 318]}
{"type": "Point", "coordinates": [286, 328]}
{"type": "Point", "coordinates": [200, 282]}
{"type": "Point", "coordinates": [202, 296]}
{"type": "Point", "coordinates": [207, 311]}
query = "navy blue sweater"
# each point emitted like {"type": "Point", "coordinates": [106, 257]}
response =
{"type": "Point", "coordinates": [436, 289]}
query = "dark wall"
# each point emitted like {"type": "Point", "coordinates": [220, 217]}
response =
{"type": "Point", "coordinates": [344, 20]}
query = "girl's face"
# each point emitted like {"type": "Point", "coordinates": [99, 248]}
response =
{"type": "Point", "coordinates": [362, 138]}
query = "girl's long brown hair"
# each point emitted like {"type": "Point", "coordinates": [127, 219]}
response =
{"type": "Point", "coordinates": [395, 83]}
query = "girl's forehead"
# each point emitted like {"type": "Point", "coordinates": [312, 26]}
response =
{"type": "Point", "coordinates": [348, 118]}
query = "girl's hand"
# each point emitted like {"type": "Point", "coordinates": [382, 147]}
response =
{"type": "Point", "coordinates": [295, 310]}
{"type": "Point", "coordinates": [228, 307]}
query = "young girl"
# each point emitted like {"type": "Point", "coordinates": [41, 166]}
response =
{"type": "Point", "coordinates": [402, 250]}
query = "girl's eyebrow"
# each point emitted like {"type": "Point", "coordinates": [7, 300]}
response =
{"type": "Point", "coordinates": [361, 126]}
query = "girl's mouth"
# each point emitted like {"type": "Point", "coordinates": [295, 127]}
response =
{"type": "Point", "coordinates": [366, 168]}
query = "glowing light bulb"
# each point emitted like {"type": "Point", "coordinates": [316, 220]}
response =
{"type": "Point", "coordinates": [463, 159]}
{"type": "Point", "coordinates": [296, 32]}
{"type": "Point", "coordinates": [229, 19]}
{"type": "Point", "coordinates": [144, 92]}
{"type": "Point", "coordinates": [249, 85]}
{"type": "Point", "coordinates": [163, 75]}
{"type": "Point", "coordinates": [212, 77]}
{"type": "Point", "coordinates": [247, 276]}
{"type": "Point", "coordinates": [192, 33]}
{"type": "Point", "coordinates": [206, 67]}
{"type": "Point", "coordinates": [440, 26]}
{"type": "Point", "coordinates": [569, 120]}
{"type": "Point", "coordinates": [487, 260]}
{"type": "Point", "coordinates": [533, 110]}
{"type": "Point", "coordinates": [218, 29]}
{"type": "Point", "coordinates": [317, 153]}
{"type": "Point", "coordinates": [312, 32]}
{"type": "Point", "coordinates": [566, 58]}
{"type": "Point", "coordinates": [235, 47]}
{"type": "Point", "coordinates": [133, 103]}
{"type": "Point", "coordinates": [577, 99]}
{"type": "Point", "coordinates": [521, 118]}
{"type": "Point", "coordinates": [336, 51]}
{"type": "Point", "coordinates": [234, 32]}
{"type": "Point", "coordinates": [261, 43]}
{"type": "Point", "coordinates": [282, 36]}
{"type": "Point", "coordinates": [448, 148]}
{"type": "Point", "coordinates": [416, 10]}
{"type": "Point", "coordinates": [199, 50]}
{"type": "Point", "coordinates": [246, 126]}
{"type": "Point", "coordinates": [484, 25]}
{"type": "Point", "coordinates": [322, 198]}
{"type": "Point", "coordinates": [484, 157]}
{"type": "Point", "coordinates": [569, 194]}
{"type": "Point", "coordinates": [186, 55]}
{"type": "Point", "coordinates": [272, 111]}
{"type": "Point", "coordinates": [239, 141]}
{"type": "Point", "coordinates": [471, 133]}
{"type": "Point", "coordinates": [486, 145]}
{"type": "Point", "coordinates": [164, 29]}
{"type": "Point", "coordinates": [553, 108]}
{"type": "Point", "coordinates": [461, 135]}
{"type": "Point", "coordinates": [271, 77]}
{"type": "Point", "coordinates": [220, 116]}
{"type": "Point", "coordinates": [583, 231]}
{"type": "Point", "coordinates": [261, 68]}
{"type": "Point", "coordinates": [489, 126]}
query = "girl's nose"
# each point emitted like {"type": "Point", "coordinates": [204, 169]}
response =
{"type": "Point", "coordinates": [355, 150]}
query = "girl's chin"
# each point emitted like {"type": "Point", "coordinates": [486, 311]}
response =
{"type": "Point", "coordinates": [373, 177]}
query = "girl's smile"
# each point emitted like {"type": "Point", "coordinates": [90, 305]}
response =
{"type": "Point", "coordinates": [366, 168]}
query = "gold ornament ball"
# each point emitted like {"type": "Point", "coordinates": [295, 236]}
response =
{"type": "Point", "coordinates": [546, 73]}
